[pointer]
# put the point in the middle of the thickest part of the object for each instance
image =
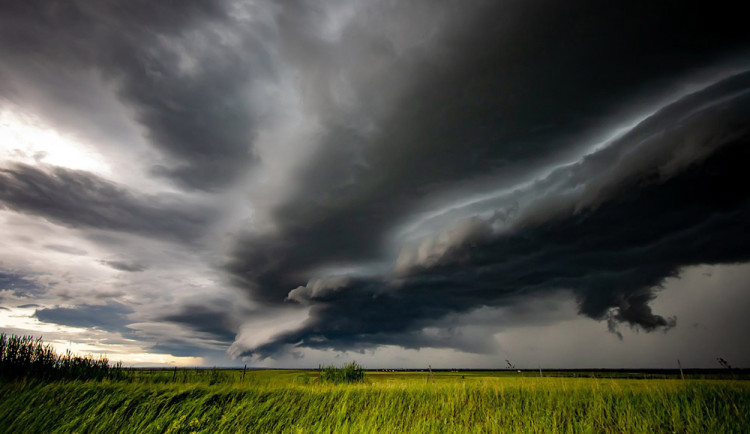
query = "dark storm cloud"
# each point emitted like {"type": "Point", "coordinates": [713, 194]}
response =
{"type": "Point", "coordinates": [396, 112]}
{"type": "Point", "coordinates": [82, 200]}
{"type": "Point", "coordinates": [496, 90]}
{"type": "Point", "coordinates": [212, 321]}
{"type": "Point", "coordinates": [109, 317]}
{"type": "Point", "coordinates": [610, 228]}
{"type": "Point", "coordinates": [175, 63]}
{"type": "Point", "coordinates": [662, 145]}
{"type": "Point", "coordinates": [613, 257]}
{"type": "Point", "coordinates": [485, 101]}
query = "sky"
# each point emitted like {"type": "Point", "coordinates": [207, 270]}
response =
{"type": "Point", "coordinates": [400, 183]}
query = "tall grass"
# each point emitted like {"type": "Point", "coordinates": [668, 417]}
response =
{"type": "Point", "coordinates": [391, 404]}
{"type": "Point", "coordinates": [351, 373]}
{"type": "Point", "coordinates": [215, 400]}
{"type": "Point", "coordinates": [29, 357]}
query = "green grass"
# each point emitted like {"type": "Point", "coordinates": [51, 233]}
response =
{"type": "Point", "coordinates": [29, 357]}
{"type": "Point", "coordinates": [296, 401]}
{"type": "Point", "coordinates": [351, 373]}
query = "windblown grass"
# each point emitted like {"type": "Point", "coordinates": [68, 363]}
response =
{"type": "Point", "coordinates": [345, 399]}
{"type": "Point", "coordinates": [275, 401]}
{"type": "Point", "coordinates": [351, 373]}
{"type": "Point", "coordinates": [29, 357]}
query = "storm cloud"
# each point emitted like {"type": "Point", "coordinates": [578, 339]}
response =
{"type": "Point", "coordinates": [440, 139]}
{"type": "Point", "coordinates": [613, 268]}
{"type": "Point", "coordinates": [373, 174]}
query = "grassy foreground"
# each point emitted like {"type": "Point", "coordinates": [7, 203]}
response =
{"type": "Point", "coordinates": [294, 401]}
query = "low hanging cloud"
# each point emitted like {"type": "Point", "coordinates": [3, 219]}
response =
{"type": "Point", "coordinates": [614, 272]}
{"type": "Point", "coordinates": [620, 222]}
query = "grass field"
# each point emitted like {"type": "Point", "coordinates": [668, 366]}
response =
{"type": "Point", "coordinates": [295, 401]}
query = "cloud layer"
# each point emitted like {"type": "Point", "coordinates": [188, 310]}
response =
{"type": "Point", "coordinates": [282, 177]}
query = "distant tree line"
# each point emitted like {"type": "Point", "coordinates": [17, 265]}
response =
{"type": "Point", "coordinates": [29, 357]}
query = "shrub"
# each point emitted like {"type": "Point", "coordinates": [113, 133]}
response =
{"type": "Point", "coordinates": [351, 373]}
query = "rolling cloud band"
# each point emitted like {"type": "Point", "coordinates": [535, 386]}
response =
{"type": "Point", "coordinates": [281, 180]}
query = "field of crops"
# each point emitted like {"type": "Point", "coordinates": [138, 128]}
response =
{"type": "Point", "coordinates": [296, 401]}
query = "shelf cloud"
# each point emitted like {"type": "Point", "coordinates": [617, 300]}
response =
{"type": "Point", "coordinates": [289, 181]}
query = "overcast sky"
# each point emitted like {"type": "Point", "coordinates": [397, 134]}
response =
{"type": "Point", "coordinates": [401, 183]}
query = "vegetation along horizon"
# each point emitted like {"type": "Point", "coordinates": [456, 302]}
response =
{"type": "Point", "coordinates": [41, 391]}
